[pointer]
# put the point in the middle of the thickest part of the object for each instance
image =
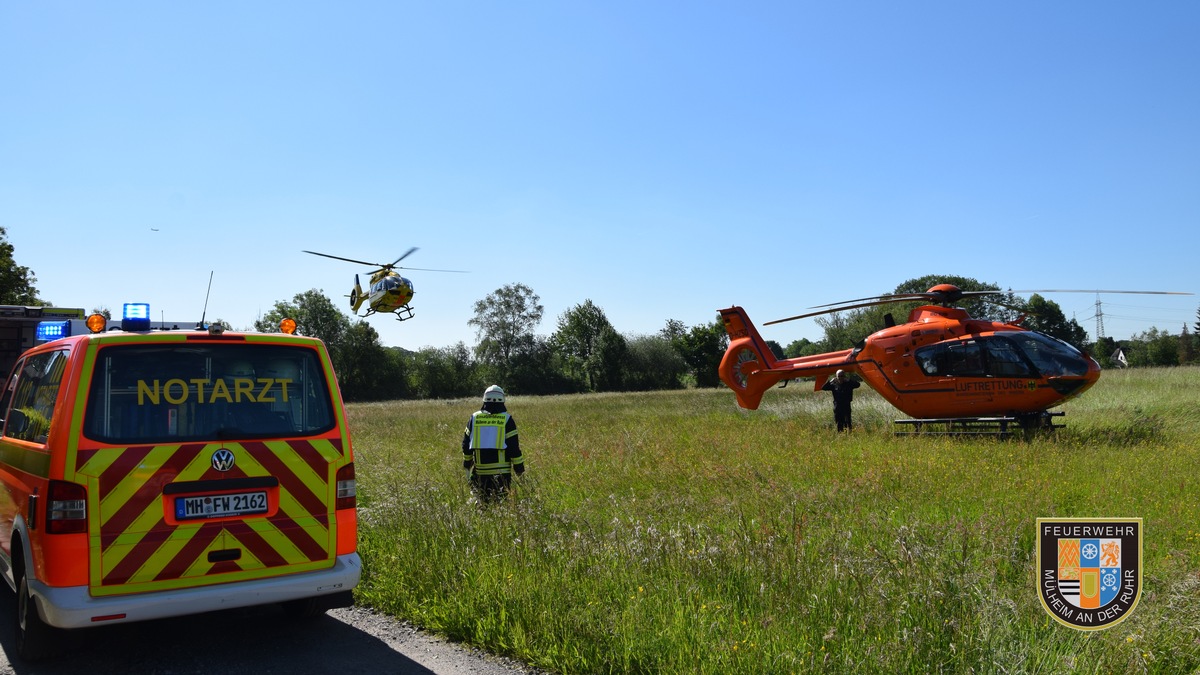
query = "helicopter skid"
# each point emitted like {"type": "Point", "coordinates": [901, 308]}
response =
{"type": "Point", "coordinates": [1000, 427]}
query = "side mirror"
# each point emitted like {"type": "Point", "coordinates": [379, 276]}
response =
{"type": "Point", "coordinates": [18, 423]}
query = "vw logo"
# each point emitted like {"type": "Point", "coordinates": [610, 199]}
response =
{"type": "Point", "coordinates": [222, 460]}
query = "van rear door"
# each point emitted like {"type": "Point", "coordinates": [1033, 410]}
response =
{"type": "Point", "coordinates": [208, 461]}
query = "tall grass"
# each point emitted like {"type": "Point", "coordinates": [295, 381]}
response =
{"type": "Point", "coordinates": [674, 533]}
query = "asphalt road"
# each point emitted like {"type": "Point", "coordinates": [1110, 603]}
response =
{"type": "Point", "coordinates": [253, 641]}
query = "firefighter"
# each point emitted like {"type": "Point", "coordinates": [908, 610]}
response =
{"type": "Point", "coordinates": [843, 392]}
{"type": "Point", "coordinates": [491, 449]}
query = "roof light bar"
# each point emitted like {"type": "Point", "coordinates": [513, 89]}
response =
{"type": "Point", "coordinates": [135, 316]}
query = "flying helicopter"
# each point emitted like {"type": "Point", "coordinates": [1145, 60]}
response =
{"type": "Point", "coordinates": [389, 291]}
{"type": "Point", "coordinates": [940, 364]}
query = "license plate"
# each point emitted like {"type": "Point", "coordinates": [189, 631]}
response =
{"type": "Point", "coordinates": [220, 506]}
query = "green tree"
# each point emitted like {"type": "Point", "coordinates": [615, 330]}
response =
{"type": "Point", "coordinates": [1047, 317]}
{"type": "Point", "coordinates": [652, 364]}
{"type": "Point", "coordinates": [1152, 348]}
{"type": "Point", "coordinates": [1187, 348]}
{"type": "Point", "coordinates": [1103, 351]}
{"type": "Point", "coordinates": [366, 370]}
{"type": "Point", "coordinates": [504, 322]}
{"type": "Point", "coordinates": [606, 363]}
{"type": "Point", "coordinates": [577, 337]}
{"type": "Point", "coordinates": [448, 372]}
{"type": "Point", "coordinates": [315, 315]}
{"type": "Point", "coordinates": [700, 347]}
{"type": "Point", "coordinates": [804, 347]}
{"type": "Point", "coordinates": [16, 281]}
{"type": "Point", "coordinates": [538, 369]}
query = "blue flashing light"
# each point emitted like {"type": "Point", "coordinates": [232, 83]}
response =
{"type": "Point", "coordinates": [136, 316]}
{"type": "Point", "coordinates": [52, 330]}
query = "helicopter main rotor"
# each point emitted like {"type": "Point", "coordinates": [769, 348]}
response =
{"type": "Point", "coordinates": [945, 295]}
{"type": "Point", "coordinates": [383, 267]}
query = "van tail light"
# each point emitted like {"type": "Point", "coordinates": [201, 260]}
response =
{"type": "Point", "coordinates": [347, 488]}
{"type": "Point", "coordinates": [66, 508]}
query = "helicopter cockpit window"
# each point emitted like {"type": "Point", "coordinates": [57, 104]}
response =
{"type": "Point", "coordinates": [161, 394]}
{"type": "Point", "coordinates": [958, 359]}
{"type": "Point", "coordinates": [1005, 360]}
{"type": "Point", "coordinates": [1051, 357]}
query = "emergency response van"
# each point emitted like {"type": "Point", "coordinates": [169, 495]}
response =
{"type": "Point", "coordinates": [155, 473]}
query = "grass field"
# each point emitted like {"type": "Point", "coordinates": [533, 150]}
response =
{"type": "Point", "coordinates": [672, 532]}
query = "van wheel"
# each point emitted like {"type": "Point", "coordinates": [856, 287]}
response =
{"type": "Point", "coordinates": [33, 635]}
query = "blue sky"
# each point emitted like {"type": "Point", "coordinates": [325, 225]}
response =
{"type": "Point", "coordinates": [661, 159]}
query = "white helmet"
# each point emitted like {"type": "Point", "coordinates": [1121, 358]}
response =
{"type": "Point", "coordinates": [493, 394]}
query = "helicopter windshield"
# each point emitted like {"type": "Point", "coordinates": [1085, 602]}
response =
{"type": "Point", "coordinates": [1051, 357]}
{"type": "Point", "coordinates": [389, 283]}
{"type": "Point", "coordinates": [1023, 354]}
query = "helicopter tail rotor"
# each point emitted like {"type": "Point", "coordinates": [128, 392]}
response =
{"type": "Point", "coordinates": [748, 354]}
{"type": "Point", "coordinates": [356, 295]}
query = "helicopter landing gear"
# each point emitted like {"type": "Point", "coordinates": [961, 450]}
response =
{"type": "Point", "coordinates": [1039, 420]}
{"type": "Point", "coordinates": [403, 313]}
{"type": "Point", "coordinates": [1000, 427]}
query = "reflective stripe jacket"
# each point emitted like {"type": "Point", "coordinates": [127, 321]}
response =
{"type": "Point", "coordinates": [491, 445]}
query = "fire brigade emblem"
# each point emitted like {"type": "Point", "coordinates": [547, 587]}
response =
{"type": "Point", "coordinates": [222, 460]}
{"type": "Point", "coordinates": [1089, 570]}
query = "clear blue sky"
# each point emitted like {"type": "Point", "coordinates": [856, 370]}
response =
{"type": "Point", "coordinates": [662, 159]}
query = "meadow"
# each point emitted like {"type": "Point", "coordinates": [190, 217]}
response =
{"type": "Point", "coordinates": [672, 532]}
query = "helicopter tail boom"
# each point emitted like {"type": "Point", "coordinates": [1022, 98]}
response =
{"type": "Point", "coordinates": [750, 368]}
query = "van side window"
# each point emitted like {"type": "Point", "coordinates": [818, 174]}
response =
{"type": "Point", "coordinates": [34, 391]}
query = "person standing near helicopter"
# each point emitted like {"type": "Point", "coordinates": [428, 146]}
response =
{"type": "Point", "coordinates": [842, 388]}
{"type": "Point", "coordinates": [491, 448]}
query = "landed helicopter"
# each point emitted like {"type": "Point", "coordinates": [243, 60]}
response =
{"type": "Point", "coordinates": [941, 364]}
{"type": "Point", "coordinates": [389, 291]}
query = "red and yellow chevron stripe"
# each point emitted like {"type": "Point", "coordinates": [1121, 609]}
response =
{"type": "Point", "coordinates": [137, 545]}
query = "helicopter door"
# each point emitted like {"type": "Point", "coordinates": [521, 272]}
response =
{"type": "Point", "coordinates": [1004, 359]}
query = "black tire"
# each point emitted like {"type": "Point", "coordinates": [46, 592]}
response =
{"type": "Point", "coordinates": [34, 636]}
{"type": "Point", "coordinates": [305, 608]}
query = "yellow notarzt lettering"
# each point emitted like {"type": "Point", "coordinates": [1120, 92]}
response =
{"type": "Point", "coordinates": [243, 387]}
{"type": "Point", "coordinates": [178, 384]}
{"type": "Point", "coordinates": [283, 383]}
{"type": "Point", "coordinates": [144, 392]}
{"type": "Point", "coordinates": [176, 391]}
{"type": "Point", "coordinates": [199, 382]}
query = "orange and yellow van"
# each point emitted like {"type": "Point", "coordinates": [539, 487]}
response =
{"type": "Point", "coordinates": [150, 473]}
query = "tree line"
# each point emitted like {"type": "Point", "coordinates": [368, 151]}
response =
{"type": "Point", "coordinates": [586, 353]}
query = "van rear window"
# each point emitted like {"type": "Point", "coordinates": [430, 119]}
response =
{"type": "Point", "coordinates": [194, 392]}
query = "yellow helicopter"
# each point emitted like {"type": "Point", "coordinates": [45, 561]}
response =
{"type": "Point", "coordinates": [389, 292]}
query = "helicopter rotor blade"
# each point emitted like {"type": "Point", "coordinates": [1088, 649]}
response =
{"type": "Point", "coordinates": [406, 254]}
{"type": "Point", "coordinates": [945, 299]}
{"type": "Point", "coordinates": [421, 269]}
{"type": "Point", "coordinates": [899, 297]}
{"type": "Point", "coordinates": [1098, 292]}
{"type": "Point", "coordinates": [839, 309]}
{"type": "Point", "coordinates": [338, 257]}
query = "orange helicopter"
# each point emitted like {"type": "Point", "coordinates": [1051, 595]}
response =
{"type": "Point", "coordinates": [940, 364]}
{"type": "Point", "coordinates": [389, 291]}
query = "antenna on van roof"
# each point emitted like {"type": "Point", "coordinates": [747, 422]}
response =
{"type": "Point", "coordinates": [201, 326]}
